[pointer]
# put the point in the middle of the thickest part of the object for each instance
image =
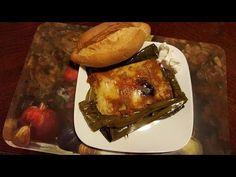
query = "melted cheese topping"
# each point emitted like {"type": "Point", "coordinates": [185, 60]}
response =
{"type": "Point", "coordinates": [124, 90]}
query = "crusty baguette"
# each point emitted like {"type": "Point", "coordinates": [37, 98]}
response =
{"type": "Point", "coordinates": [143, 26]}
{"type": "Point", "coordinates": [110, 43]}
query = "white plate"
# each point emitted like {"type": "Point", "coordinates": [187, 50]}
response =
{"type": "Point", "coordinates": [166, 135]}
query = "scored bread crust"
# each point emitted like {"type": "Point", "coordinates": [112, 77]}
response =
{"type": "Point", "coordinates": [143, 26]}
{"type": "Point", "coordinates": [110, 43]}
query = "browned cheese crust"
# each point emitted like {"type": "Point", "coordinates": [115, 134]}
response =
{"type": "Point", "coordinates": [130, 88]}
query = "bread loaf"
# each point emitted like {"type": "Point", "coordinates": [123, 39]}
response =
{"type": "Point", "coordinates": [110, 43]}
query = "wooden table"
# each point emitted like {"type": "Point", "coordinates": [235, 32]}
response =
{"type": "Point", "coordinates": [16, 38]}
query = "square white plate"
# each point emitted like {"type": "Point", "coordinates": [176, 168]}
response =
{"type": "Point", "coordinates": [166, 135]}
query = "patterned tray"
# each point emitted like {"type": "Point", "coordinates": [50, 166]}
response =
{"type": "Point", "coordinates": [47, 88]}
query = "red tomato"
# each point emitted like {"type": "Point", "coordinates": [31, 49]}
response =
{"type": "Point", "coordinates": [43, 122]}
{"type": "Point", "coordinates": [70, 74]}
